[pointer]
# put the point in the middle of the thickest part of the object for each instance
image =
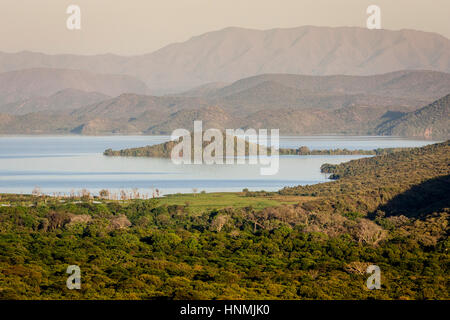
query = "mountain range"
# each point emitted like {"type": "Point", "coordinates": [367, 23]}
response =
{"type": "Point", "coordinates": [293, 103]}
{"type": "Point", "coordinates": [231, 54]}
{"type": "Point", "coordinates": [306, 80]}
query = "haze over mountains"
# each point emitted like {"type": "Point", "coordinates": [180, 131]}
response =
{"type": "Point", "coordinates": [280, 78]}
{"type": "Point", "coordinates": [234, 53]}
{"type": "Point", "coordinates": [430, 121]}
{"type": "Point", "coordinates": [64, 100]}
{"type": "Point", "coordinates": [43, 82]}
{"type": "Point", "coordinates": [408, 88]}
{"type": "Point", "coordinates": [293, 103]}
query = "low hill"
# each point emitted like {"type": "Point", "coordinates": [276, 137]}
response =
{"type": "Point", "coordinates": [368, 185]}
{"type": "Point", "coordinates": [347, 120]}
{"type": "Point", "coordinates": [203, 90]}
{"type": "Point", "coordinates": [418, 84]}
{"type": "Point", "coordinates": [164, 150]}
{"type": "Point", "coordinates": [64, 100]}
{"type": "Point", "coordinates": [212, 117]}
{"type": "Point", "coordinates": [430, 121]}
{"type": "Point", "coordinates": [43, 82]}
{"type": "Point", "coordinates": [134, 105]}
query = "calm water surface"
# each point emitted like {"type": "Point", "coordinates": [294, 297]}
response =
{"type": "Point", "coordinates": [66, 163]}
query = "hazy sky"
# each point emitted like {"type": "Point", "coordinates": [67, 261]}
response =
{"type": "Point", "coordinates": [140, 26]}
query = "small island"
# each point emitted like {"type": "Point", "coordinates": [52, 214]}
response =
{"type": "Point", "coordinates": [164, 150]}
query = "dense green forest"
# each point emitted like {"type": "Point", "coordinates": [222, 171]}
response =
{"type": "Point", "coordinates": [307, 242]}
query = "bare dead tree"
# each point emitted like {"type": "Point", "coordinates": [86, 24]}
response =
{"type": "Point", "coordinates": [219, 222]}
{"type": "Point", "coordinates": [36, 192]}
{"type": "Point", "coordinates": [104, 194]}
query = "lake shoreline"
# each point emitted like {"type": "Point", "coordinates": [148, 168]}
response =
{"type": "Point", "coordinates": [65, 163]}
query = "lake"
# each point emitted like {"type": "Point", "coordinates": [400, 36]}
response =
{"type": "Point", "coordinates": [71, 163]}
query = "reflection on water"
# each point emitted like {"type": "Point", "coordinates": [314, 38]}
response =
{"type": "Point", "coordinates": [65, 163]}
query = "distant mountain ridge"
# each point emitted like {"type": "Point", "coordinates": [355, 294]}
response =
{"type": "Point", "coordinates": [294, 104]}
{"type": "Point", "coordinates": [64, 100]}
{"type": "Point", "coordinates": [271, 91]}
{"type": "Point", "coordinates": [24, 84]}
{"type": "Point", "coordinates": [404, 83]}
{"type": "Point", "coordinates": [305, 80]}
{"type": "Point", "coordinates": [234, 53]}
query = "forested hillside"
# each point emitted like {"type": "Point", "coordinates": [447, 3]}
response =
{"type": "Point", "coordinates": [312, 242]}
{"type": "Point", "coordinates": [418, 176]}
{"type": "Point", "coordinates": [430, 121]}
